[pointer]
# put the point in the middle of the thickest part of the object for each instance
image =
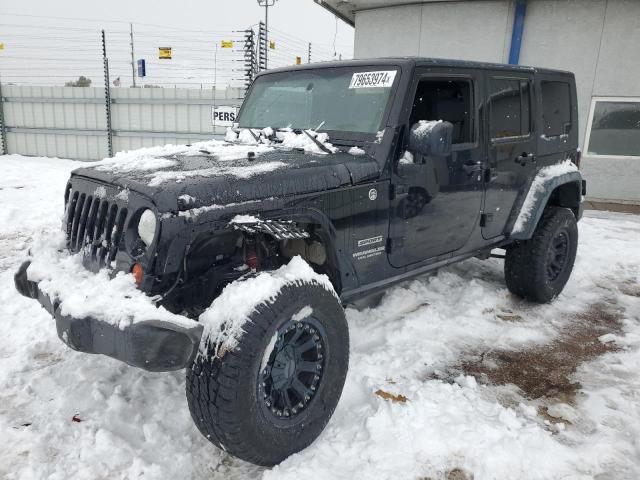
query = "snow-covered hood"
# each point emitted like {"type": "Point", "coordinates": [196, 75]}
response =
{"type": "Point", "coordinates": [218, 173]}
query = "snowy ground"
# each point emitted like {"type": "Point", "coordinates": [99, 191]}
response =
{"type": "Point", "coordinates": [555, 391]}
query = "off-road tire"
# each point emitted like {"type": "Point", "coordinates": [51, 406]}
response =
{"type": "Point", "coordinates": [528, 263]}
{"type": "Point", "coordinates": [224, 394]}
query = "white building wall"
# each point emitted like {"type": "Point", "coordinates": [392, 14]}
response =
{"type": "Point", "coordinates": [617, 75]}
{"type": "Point", "coordinates": [598, 40]}
{"type": "Point", "coordinates": [470, 30]}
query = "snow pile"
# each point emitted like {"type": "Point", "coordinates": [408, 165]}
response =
{"type": "Point", "coordinates": [195, 212]}
{"type": "Point", "coordinates": [425, 127]}
{"type": "Point", "coordinates": [284, 137]}
{"type": "Point", "coordinates": [537, 188]}
{"type": "Point", "coordinates": [115, 300]}
{"type": "Point", "coordinates": [405, 346]}
{"type": "Point", "coordinates": [244, 219]}
{"type": "Point", "coordinates": [230, 135]}
{"type": "Point", "coordinates": [407, 158]}
{"type": "Point", "coordinates": [247, 171]}
{"type": "Point", "coordinates": [100, 192]}
{"type": "Point", "coordinates": [224, 319]}
{"type": "Point", "coordinates": [356, 151]}
{"type": "Point", "coordinates": [302, 141]}
{"type": "Point", "coordinates": [157, 169]}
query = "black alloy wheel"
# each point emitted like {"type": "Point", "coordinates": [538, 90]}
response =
{"type": "Point", "coordinates": [294, 368]}
{"type": "Point", "coordinates": [557, 255]}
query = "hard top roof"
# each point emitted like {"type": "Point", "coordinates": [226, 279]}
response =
{"type": "Point", "coordinates": [420, 61]}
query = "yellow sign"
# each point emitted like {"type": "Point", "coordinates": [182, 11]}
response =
{"type": "Point", "coordinates": [298, 60]}
{"type": "Point", "coordinates": [1, 46]}
{"type": "Point", "coordinates": [226, 43]}
{"type": "Point", "coordinates": [272, 45]}
{"type": "Point", "coordinates": [164, 53]}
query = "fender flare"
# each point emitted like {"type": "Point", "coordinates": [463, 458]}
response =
{"type": "Point", "coordinates": [306, 215]}
{"type": "Point", "coordinates": [538, 197]}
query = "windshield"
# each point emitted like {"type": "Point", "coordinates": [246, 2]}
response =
{"type": "Point", "coordinates": [344, 99]}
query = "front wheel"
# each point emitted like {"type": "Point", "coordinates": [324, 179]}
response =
{"type": "Point", "coordinates": [538, 269]}
{"type": "Point", "coordinates": [273, 394]}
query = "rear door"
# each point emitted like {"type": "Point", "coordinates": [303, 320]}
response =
{"type": "Point", "coordinates": [511, 146]}
{"type": "Point", "coordinates": [437, 200]}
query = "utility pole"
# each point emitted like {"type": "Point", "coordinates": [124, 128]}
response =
{"type": "Point", "coordinates": [266, 4]}
{"type": "Point", "coordinates": [133, 61]}
{"type": "Point", "coordinates": [309, 54]}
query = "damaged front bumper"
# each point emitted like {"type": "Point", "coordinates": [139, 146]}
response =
{"type": "Point", "coordinates": [153, 345]}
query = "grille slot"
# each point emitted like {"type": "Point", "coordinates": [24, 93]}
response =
{"type": "Point", "coordinates": [94, 226]}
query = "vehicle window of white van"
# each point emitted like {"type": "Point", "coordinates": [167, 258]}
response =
{"type": "Point", "coordinates": [338, 99]}
{"type": "Point", "coordinates": [615, 129]}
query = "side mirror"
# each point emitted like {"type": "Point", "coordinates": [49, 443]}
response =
{"type": "Point", "coordinates": [431, 137]}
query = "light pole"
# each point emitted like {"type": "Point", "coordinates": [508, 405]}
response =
{"type": "Point", "coordinates": [266, 4]}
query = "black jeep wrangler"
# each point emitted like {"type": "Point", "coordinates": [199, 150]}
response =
{"type": "Point", "coordinates": [397, 167]}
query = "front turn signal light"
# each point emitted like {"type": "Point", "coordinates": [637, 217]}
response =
{"type": "Point", "coordinates": [138, 273]}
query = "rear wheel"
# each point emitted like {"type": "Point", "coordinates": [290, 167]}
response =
{"type": "Point", "coordinates": [538, 269]}
{"type": "Point", "coordinates": [274, 393]}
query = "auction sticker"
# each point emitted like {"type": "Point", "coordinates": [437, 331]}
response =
{"type": "Point", "coordinates": [373, 79]}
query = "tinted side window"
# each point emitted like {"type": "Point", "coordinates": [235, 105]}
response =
{"type": "Point", "coordinates": [509, 111]}
{"type": "Point", "coordinates": [448, 100]}
{"type": "Point", "coordinates": [556, 108]}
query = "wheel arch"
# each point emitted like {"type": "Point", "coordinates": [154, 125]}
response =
{"type": "Point", "coordinates": [319, 225]}
{"type": "Point", "coordinates": [564, 190]}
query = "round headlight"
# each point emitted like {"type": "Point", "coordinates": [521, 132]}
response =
{"type": "Point", "coordinates": [147, 227]}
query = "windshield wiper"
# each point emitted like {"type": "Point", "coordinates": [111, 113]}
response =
{"type": "Point", "coordinates": [255, 137]}
{"type": "Point", "coordinates": [320, 145]}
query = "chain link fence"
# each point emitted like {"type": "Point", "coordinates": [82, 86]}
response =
{"type": "Point", "coordinates": [68, 90]}
{"type": "Point", "coordinates": [50, 55]}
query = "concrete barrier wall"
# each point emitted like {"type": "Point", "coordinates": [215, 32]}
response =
{"type": "Point", "coordinates": [71, 122]}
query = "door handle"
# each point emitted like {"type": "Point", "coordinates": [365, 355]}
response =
{"type": "Point", "coordinates": [525, 157]}
{"type": "Point", "coordinates": [471, 168]}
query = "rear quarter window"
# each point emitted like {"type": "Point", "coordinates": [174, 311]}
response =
{"type": "Point", "coordinates": [556, 108]}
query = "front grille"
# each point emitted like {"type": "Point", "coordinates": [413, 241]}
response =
{"type": "Point", "coordinates": [95, 226]}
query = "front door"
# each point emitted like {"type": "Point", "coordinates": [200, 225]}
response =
{"type": "Point", "coordinates": [511, 147]}
{"type": "Point", "coordinates": [437, 200]}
